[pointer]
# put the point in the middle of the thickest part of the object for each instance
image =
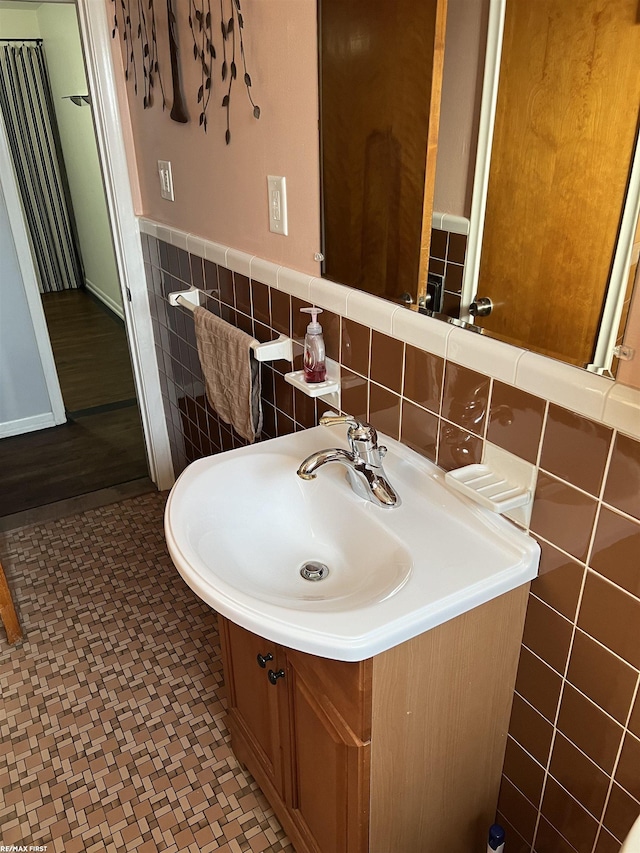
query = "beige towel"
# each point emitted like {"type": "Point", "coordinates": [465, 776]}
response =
{"type": "Point", "coordinates": [231, 374]}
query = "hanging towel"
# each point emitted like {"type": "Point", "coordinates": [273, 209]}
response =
{"type": "Point", "coordinates": [231, 373]}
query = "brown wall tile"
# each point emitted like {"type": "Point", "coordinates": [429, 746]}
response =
{"type": "Point", "coordinates": [438, 246]}
{"type": "Point", "coordinates": [530, 730]}
{"type": "Point", "coordinates": [354, 395]}
{"type": "Point", "coordinates": [547, 634]}
{"type": "Point", "coordinates": [606, 843]}
{"type": "Point", "coordinates": [612, 617]}
{"type": "Point", "coordinates": [387, 357]}
{"type": "Point", "coordinates": [634, 721]}
{"type": "Point", "coordinates": [522, 814]}
{"type": "Point", "coordinates": [548, 840]}
{"type": "Point", "coordinates": [457, 447]}
{"type": "Point", "coordinates": [525, 773]}
{"type": "Point", "coordinates": [281, 311]}
{"type": "Point", "coordinates": [616, 550]}
{"type": "Point", "coordinates": [623, 480]}
{"type": "Point", "coordinates": [457, 248]}
{"type": "Point", "coordinates": [603, 677]}
{"type": "Point", "coordinates": [355, 346]}
{"type": "Point", "coordinates": [562, 515]}
{"type": "Point", "coordinates": [538, 684]}
{"type": "Point", "coordinates": [465, 397]}
{"type": "Point", "coordinates": [423, 374]}
{"type": "Point", "coordinates": [515, 421]}
{"type": "Point", "coordinates": [628, 771]}
{"type": "Point", "coordinates": [622, 812]}
{"type": "Point", "coordinates": [242, 291]}
{"type": "Point", "coordinates": [589, 728]}
{"type": "Point", "coordinates": [575, 449]}
{"type": "Point", "coordinates": [260, 294]}
{"type": "Point", "coordinates": [559, 580]}
{"type": "Point", "coordinates": [419, 430]}
{"type": "Point", "coordinates": [583, 779]}
{"type": "Point", "coordinates": [568, 817]}
{"type": "Point", "coordinates": [384, 410]}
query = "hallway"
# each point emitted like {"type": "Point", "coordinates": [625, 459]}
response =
{"type": "Point", "coordinates": [101, 445]}
{"type": "Point", "coordinates": [113, 734]}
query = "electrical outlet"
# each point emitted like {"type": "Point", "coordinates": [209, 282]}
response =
{"type": "Point", "coordinates": [277, 188]}
{"type": "Point", "coordinates": [166, 179]}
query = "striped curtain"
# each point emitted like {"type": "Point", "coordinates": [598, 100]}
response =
{"type": "Point", "coordinates": [27, 108]}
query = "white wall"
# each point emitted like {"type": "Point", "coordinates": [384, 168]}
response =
{"type": "Point", "coordinates": [57, 25]}
{"type": "Point", "coordinates": [59, 31]}
{"type": "Point", "coordinates": [24, 400]}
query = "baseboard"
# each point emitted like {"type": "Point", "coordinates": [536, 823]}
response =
{"type": "Point", "coordinates": [31, 424]}
{"type": "Point", "coordinates": [111, 304]}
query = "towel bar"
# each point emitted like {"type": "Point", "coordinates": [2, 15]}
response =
{"type": "Point", "coordinates": [282, 347]}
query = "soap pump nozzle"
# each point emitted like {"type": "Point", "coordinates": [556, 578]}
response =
{"type": "Point", "coordinates": [314, 327]}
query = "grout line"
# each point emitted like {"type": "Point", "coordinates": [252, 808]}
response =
{"type": "Point", "coordinates": [626, 731]}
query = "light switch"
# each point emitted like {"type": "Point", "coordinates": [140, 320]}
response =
{"type": "Point", "coordinates": [166, 179]}
{"type": "Point", "coordinates": [277, 188]}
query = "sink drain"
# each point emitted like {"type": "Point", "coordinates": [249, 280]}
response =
{"type": "Point", "coordinates": [314, 571]}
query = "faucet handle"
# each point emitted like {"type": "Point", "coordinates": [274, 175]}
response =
{"type": "Point", "coordinates": [359, 431]}
{"type": "Point", "coordinates": [330, 419]}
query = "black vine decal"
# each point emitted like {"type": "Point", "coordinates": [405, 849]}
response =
{"type": "Point", "coordinates": [203, 52]}
{"type": "Point", "coordinates": [143, 32]}
{"type": "Point", "coordinates": [231, 26]}
{"type": "Point", "coordinates": [146, 36]}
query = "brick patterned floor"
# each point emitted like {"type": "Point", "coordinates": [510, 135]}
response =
{"type": "Point", "coordinates": [112, 734]}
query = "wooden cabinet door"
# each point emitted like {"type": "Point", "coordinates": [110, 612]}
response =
{"type": "Point", "coordinates": [328, 770]}
{"type": "Point", "coordinates": [253, 701]}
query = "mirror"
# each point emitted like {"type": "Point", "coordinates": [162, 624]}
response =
{"type": "Point", "coordinates": [565, 131]}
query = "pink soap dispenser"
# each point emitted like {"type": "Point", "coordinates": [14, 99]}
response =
{"type": "Point", "coordinates": [315, 368]}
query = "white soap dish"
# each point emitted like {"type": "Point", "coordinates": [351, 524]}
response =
{"type": "Point", "coordinates": [311, 389]}
{"type": "Point", "coordinates": [486, 487]}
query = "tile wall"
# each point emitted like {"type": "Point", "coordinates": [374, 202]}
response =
{"type": "Point", "coordinates": [572, 769]}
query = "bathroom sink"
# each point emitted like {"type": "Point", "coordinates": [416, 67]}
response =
{"type": "Point", "coordinates": [313, 566]}
{"type": "Point", "coordinates": [269, 526]}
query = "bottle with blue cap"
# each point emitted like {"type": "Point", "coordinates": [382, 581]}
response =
{"type": "Point", "coordinates": [496, 839]}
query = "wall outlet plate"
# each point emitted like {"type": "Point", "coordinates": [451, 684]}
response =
{"type": "Point", "coordinates": [166, 180]}
{"type": "Point", "coordinates": [277, 189]}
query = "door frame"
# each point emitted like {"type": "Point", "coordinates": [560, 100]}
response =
{"type": "Point", "coordinates": [120, 192]}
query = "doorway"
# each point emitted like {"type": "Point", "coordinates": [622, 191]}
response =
{"type": "Point", "coordinates": [101, 443]}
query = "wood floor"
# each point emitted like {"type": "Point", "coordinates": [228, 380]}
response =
{"type": "Point", "coordinates": [101, 445]}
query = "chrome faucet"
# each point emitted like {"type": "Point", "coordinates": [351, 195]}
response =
{"type": "Point", "coordinates": [363, 461]}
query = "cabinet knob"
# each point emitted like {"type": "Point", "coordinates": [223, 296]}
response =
{"type": "Point", "coordinates": [274, 676]}
{"type": "Point", "coordinates": [264, 659]}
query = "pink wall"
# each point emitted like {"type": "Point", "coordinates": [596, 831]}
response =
{"type": "Point", "coordinates": [460, 111]}
{"type": "Point", "coordinates": [221, 190]}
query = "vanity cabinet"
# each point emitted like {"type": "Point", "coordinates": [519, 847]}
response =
{"type": "Point", "coordinates": [399, 753]}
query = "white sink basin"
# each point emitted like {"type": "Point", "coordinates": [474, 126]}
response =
{"type": "Point", "coordinates": [241, 525]}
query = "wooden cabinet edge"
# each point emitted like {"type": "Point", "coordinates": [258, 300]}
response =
{"type": "Point", "coordinates": [438, 740]}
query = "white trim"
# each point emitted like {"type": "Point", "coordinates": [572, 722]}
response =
{"type": "Point", "coordinates": [595, 397]}
{"type": "Point", "coordinates": [96, 39]}
{"type": "Point", "coordinates": [30, 282]}
{"type": "Point", "coordinates": [617, 289]}
{"type": "Point", "coordinates": [450, 222]}
{"type": "Point", "coordinates": [111, 304]}
{"type": "Point", "coordinates": [30, 424]}
{"type": "Point", "coordinates": [495, 33]}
